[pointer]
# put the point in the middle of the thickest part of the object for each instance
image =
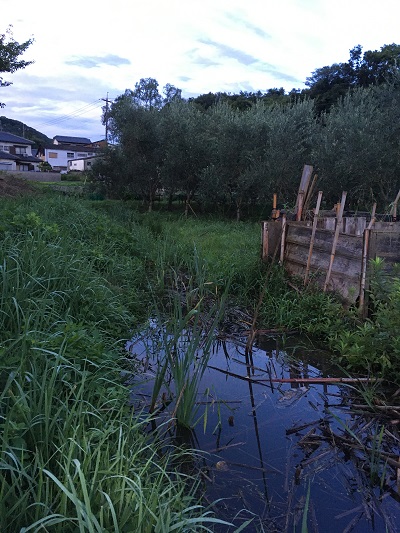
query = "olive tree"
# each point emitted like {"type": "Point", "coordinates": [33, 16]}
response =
{"type": "Point", "coordinates": [184, 148]}
{"type": "Point", "coordinates": [358, 146]}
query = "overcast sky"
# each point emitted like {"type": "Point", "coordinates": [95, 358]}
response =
{"type": "Point", "coordinates": [85, 49]}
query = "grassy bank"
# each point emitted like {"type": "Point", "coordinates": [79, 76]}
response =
{"type": "Point", "coordinates": [74, 456]}
{"type": "Point", "coordinates": [78, 278]}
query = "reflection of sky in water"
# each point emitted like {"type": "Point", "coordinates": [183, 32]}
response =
{"type": "Point", "coordinates": [256, 464]}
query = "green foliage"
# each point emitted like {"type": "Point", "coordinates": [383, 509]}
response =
{"type": "Point", "coordinates": [327, 85]}
{"type": "Point", "coordinates": [227, 159]}
{"type": "Point", "coordinates": [10, 51]}
{"type": "Point", "coordinates": [73, 454]}
{"type": "Point", "coordinates": [44, 166]}
{"type": "Point", "coordinates": [375, 344]}
{"type": "Point", "coordinates": [355, 146]}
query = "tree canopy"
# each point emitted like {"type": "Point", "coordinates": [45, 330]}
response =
{"type": "Point", "coordinates": [330, 83]}
{"type": "Point", "coordinates": [10, 52]}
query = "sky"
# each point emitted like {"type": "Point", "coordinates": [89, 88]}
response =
{"type": "Point", "coordinates": [84, 50]}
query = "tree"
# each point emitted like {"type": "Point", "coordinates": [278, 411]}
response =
{"type": "Point", "coordinates": [327, 85]}
{"type": "Point", "coordinates": [44, 166]}
{"type": "Point", "coordinates": [171, 94]}
{"type": "Point", "coordinates": [10, 51]}
{"type": "Point", "coordinates": [358, 144]}
{"type": "Point", "coordinates": [146, 94]}
{"type": "Point", "coordinates": [184, 147]}
{"type": "Point", "coordinates": [132, 168]}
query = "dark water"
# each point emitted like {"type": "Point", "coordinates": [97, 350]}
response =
{"type": "Point", "coordinates": [268, 445]}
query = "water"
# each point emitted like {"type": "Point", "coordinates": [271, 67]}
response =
{"type": "Point", "coordinates": [267, 445]}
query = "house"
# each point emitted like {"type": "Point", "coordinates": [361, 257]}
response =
{"type": "Point", "coordinates": [65, 140]}
{"type": "Point", "coordinates": [82, 164]}
{"type": "Point", "coordinates": [65, 149]}
{"type": "Point", "coordinates": [16, 153]}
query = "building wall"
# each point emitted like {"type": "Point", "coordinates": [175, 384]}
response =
{"type": "Point", "coordinates": [58, 159]}
{"type": "Point", "coordinates": [16, 149]}
{"type": "Point", "coordinates": [6, 164]}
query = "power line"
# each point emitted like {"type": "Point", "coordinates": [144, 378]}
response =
{"type": "Point", "coordinates": [77, 112]}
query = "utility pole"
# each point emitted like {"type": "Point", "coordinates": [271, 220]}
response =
{"type": "Point", "coordinates": [107, 101]}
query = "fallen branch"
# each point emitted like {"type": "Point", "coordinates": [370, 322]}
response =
{"type": "Point", "coordinates": [321, 380]}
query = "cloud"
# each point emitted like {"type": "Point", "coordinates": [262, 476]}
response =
{"type": "Point", "coordinates": [249, 26]}
{"type": "Point", "coordinates": [247, 60]}
{"type": "Point", "coordinates": [97, 61]}
{"type": "Point", "coordinates": [184, 78]}
{"type": "Point", "coordinates": [270, 69]}
{"type": "Point", "coordinates": [232, 53]}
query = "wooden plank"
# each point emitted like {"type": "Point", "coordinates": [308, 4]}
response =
{"type": "Point", "coordinates": [354, 225]}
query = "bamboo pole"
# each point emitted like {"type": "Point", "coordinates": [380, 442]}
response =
{"type": "Point", "coordinates": [364, 263]}
{"type": "Point", "coordinates": [300, 201]}
{"type": "Point", "coordinates": [335, 238]}
{"type": "Point", "coordinates": [394, 209]}
{"type": "Point", "coordinates": [314, 229]}
{"type": "Point", "coordinates": [283, 237]}
{"type": "Point", "coordinates": [263, 381]}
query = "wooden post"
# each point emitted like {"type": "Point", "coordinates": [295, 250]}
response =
{"type": "Point", "coordinates": [264, 240]}
{"type": "Point", "coordinates": [304, 183]}
{"type": "Point", "coordinates": [283, 237]}
{"type": "Point", "coordinates": [335, 239]}
{"type": "Point", "coordinates": [274, 213]}
{"type": "Point", "coordinates": [362, 307]}
{"type": "Point", "coordinates": [300, 200]}
{"type": "Point", "coordinates": [314, 229]}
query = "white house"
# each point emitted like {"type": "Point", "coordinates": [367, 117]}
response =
{"type": "Point", "coordinates": [16, 153]}
{"type": "Point", "coordinates": [65, 149]}
{"type": "Point", "coordinates": [82, 164]}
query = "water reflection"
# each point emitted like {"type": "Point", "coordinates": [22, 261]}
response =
{"type": "Point", "coordinates": [266, 443]}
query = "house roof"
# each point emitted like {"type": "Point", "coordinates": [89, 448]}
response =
{"type": "Point", "coordinates": [20, 158]}
{"type": "Point", "coordinates": [71, 140]}
{"type": "Point", "coordinates": [10, 138]}
{"type": "Point", "coordinates": [69, 148]}
{"type": "Point", "coordinates": [6, 155]}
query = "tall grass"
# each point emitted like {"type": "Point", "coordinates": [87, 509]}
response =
{"type": "Point", "coordinates": [75, 457]}
{"type": "Point", "coordinates": [73, 454]}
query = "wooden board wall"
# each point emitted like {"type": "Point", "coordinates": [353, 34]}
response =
{"type": "Point", "coordinates": [347, 264]}
{"type": "Point", "coordinates": [346, 269]}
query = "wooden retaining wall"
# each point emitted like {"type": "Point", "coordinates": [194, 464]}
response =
{"type": "Point", "coordinates": [289, 243]}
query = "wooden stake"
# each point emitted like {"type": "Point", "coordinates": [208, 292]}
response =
{"type": "Point", "coordinates": [364, 264]}
{"type": "Point", "coordinates": [394, 209]}
{"type": "Point", "coordinates": [314, 229]}
{"type": "Point", "coordinates": [335, 239]}
{"type": "Point", "coordinates": [274, 214]}
{"type": "Point", "coordinates": [283, 238]}
{"type": "Point", "coordinates": [300, 200]}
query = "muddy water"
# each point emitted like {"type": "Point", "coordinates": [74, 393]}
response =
{"type": "Point", "coordinates": [269, 446]}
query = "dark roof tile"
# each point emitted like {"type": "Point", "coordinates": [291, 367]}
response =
{"type": "Point", "coordinates": [73, 140]}
{"type": "Point", "coordinates": [10, 138]}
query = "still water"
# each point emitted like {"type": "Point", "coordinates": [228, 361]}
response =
{"type": "Point", "coordinates": [285, 452]}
